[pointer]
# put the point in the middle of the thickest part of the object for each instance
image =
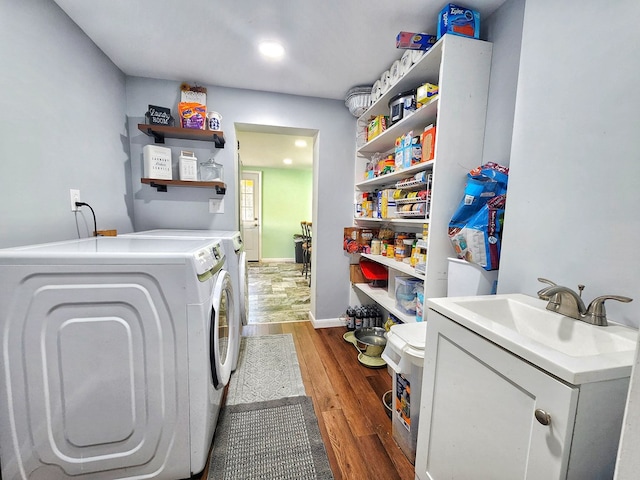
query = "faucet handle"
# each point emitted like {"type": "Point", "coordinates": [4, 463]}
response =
{"type": "Point", "coordinates": [597, 311]}
{"type": "Point", "coordinates": [542, 292]}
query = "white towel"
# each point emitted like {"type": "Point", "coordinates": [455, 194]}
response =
{"type": "Point", "coordinates": [417, 55]}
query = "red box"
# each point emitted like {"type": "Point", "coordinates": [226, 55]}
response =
{"type": "Point", "coordinates": [428, 140]}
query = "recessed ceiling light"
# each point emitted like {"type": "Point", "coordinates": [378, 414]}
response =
{"type": "Point", "coordinates": [271, 50]}
{"type": "Point", "coordinates": [300, 143]}
{"type": "Point", "coordinates": [287, 161]}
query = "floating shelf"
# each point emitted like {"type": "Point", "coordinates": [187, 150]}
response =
{"type": "Point", "coordinates": [160, 132]}
{"type": "Point", "coordinates": [161, 185]}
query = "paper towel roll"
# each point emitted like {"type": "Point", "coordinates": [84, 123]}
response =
{"type": "Point", "coordinates": [405, 62]}
{"type": "Point", "coordinates": [375, 91]}
{"type": "Point", "coordinates": [416, 55]}
{"type": "Point", "coordinates": [394, 72]}
{"type": "Point", "coordinates": [385, 82]}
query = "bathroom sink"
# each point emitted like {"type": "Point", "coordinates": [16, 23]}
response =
{"type": "Point", "coordinates": [568, 348]}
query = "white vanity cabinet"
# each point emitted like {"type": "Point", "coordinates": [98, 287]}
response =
{"type": "Point", "coordinates": [479, 408]}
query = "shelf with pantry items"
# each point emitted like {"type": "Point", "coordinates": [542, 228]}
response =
{"type": "Point", "coordinates": [460, 68]}
{"type": "Point", "coordinates": [393, 263]}
{"type": "Point", "coordinates": [160, 132]}
{"type": "Point", "coordinates": [382, 298]}
{"type": "Point", "coordinates": [416, 121]}
{"type": "Point", "coordinates": [409, 199]}
{"type": "Point", "coordinates": [391, 178]}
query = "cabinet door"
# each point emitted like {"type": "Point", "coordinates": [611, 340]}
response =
{"type": "Point", "coordinates": [478, 411]}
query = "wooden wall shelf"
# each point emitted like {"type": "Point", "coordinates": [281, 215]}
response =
{"type": "Point", "coordinates": [160, 132]}
{"type": "Point", "coordinates": [161, 185]}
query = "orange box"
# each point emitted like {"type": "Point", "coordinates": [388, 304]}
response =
{"type": "Point", "coordinates": [428, 140]}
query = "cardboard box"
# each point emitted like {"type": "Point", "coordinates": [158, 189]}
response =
{"type": "Point", "coordinates": [376, 126]}
{"type": "Point", "coordinates": [458, 20]}
{"type": "Point", "coordinates": [426, 92]}
{"type": "Point", "coordinates": [358, 239]}
{"type": "Point", "coordinates": [355, 274]}
{"type": "Point", "coordinates": [428, 141]}
{"type": "Point", "coordinates": [415, 41]}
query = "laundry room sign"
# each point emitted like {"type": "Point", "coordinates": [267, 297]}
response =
{"type": "Point", "coordinates": [159, 115]}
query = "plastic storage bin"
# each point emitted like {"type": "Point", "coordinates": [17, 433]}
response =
{"type": "Point", "coordinates": [404, 353]}
{"type": "Point", "coordinates": [468, 279]}
{"type": "Point", "coordinates": [406, 293]}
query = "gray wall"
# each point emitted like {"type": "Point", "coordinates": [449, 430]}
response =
{"type": "Point", "coordinates": [572, 208]}
{"type": "Point", "coordinates": [62, 126]}
{"type": "Point", "coordinates": [504, 30]}
{"type": "Point", "coordinates": [188, 207]}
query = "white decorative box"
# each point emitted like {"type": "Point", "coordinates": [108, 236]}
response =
{"type": "Point", "coordinates": [188, 166]}
{"type": "Point", "coordinates": [157, 162]}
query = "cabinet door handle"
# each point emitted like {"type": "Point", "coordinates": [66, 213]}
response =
{"type": "Point", "coordinates": [543, 417]}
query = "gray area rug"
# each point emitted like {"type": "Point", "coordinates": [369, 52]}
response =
{"type": "Point", "coordinates": [276, 439]}
{"type": "Point", "coordinates": [268, 369]}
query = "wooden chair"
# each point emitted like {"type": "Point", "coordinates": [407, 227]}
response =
{"type": "Point", "coordinates": [306, 249]}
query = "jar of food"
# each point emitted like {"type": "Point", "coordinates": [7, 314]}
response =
{"type": "Point", "coordinates": [376, 246]}
{"type": "Point", "coordinates": [399, 250]}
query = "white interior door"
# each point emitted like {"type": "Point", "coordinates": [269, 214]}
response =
{"type": "Point", "coordinates": [251, 213]}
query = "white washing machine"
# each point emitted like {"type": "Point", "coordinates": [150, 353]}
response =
{"type": "Point", "coordinates": [115, 353]}
{"type": "Point", "coordinates": [236, 265]}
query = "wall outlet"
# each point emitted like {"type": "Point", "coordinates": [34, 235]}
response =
{"type": "Point", "coordinates": [75, 197]}
{"type": "Point", "coordinates": [216, 205]}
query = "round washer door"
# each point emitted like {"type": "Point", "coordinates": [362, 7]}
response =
{"type": "Point", "coordinates": [220, 350]}
{"type": "Point", "coordinates": [243, 282]}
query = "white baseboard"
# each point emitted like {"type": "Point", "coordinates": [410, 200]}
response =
{"type": "Point", "coordinates": [325, 322]}
{"type": "Point", "coordinates": [278, 260]}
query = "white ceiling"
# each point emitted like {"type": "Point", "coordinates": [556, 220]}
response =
{"type": "Point", "coordinates": [331, 45]}
{"type": "Point", "coordinates": [267, 149]}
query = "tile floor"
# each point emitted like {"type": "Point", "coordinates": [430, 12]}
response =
{"type": "Point", "coordinates": [278, 292]}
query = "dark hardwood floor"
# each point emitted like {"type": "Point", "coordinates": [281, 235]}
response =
{"type": "Point", "coordinates": [348, 402]}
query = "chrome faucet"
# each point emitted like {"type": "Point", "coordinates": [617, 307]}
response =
{"type": "Point", "coordinates": [567, 302]}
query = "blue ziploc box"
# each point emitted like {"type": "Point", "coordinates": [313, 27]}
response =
{"type": "Point", "coordinates": [458, 20]}
{"type": "Point", "coordinates": [415, 41]}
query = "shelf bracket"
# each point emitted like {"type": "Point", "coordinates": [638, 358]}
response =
{"type": "Point", "coordinates": [157, 137]}
{"type": "Point", "coordinates": [221, 190]}
{"type": "Point", "coordinates": [159, 188]}
{"type": "Point", "coordinates": [218, 141]}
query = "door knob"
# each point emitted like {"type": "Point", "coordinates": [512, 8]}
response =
{"type": "Point", "coordinates": [543, 417]}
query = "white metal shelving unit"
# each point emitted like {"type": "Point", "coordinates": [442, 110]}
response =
{"type": "Point", "coordinates": [460, 66]}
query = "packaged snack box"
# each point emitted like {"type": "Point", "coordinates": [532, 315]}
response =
{"type": "Point", "coordinates": [428, 143]}
{"type": "Point", "coordinates": [376, 126]}
{"type": "Point", "coordinates": [458, 20]}
{"type": "Point", "coordinates": [425, 92]}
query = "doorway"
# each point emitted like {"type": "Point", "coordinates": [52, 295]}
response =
{"type": "Point", "coordinates": [251, 213]}
{"type": "Point", "coordinates": [284, 158]}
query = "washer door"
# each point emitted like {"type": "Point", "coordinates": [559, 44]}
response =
{"type": "Point", "coordinates": [220, 350]}
{"type": "Point", "coordinates": [243, 282]}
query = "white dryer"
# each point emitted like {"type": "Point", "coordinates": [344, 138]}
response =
{"type": "Point", "coordinates": [236, 265]}
{"type": "Point", "coordinates": [115, 354]}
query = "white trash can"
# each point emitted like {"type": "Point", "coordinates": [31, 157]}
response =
{"type": "Point", "coordinates": [404, 353]}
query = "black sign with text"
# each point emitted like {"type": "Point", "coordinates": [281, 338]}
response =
{"type": "Point", "coordinates": [159, 115]}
